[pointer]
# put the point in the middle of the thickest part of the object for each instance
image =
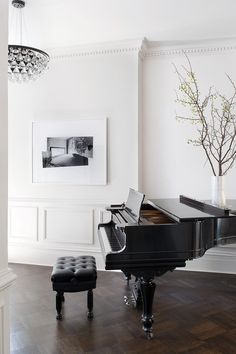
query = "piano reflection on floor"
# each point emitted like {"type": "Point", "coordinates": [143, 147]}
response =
{"type": "Point", "coordinates": [148, 239]}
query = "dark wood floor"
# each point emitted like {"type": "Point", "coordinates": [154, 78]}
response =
{"type": "Point", "coordinates": [194, 313]}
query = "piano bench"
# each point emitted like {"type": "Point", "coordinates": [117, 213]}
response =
{"type": "Point", "coordinates": [74, 274]}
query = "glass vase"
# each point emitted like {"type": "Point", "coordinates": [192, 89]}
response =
{"type": "Point", "coordinates": [217, 191]}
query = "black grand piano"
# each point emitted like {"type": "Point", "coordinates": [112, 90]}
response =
{"type": "Point", "coordinates": [148, 239]}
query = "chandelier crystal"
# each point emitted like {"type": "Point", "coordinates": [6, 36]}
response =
{"type": "Point", "coordinates": [25, 63]}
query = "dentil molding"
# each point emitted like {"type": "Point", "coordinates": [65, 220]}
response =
{"type": "Point", "coordinates": [122, 47]}
{"type": "Point", "coordinates": [145, 48]}
{"type": "Point", "coordinates": [207, 47]}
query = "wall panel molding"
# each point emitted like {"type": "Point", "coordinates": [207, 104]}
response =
{"type": "Point", "coordinates": [62, 228]}
{"type": "Point", "coordinates": [23, 222]}
{"type": "Point", "coordinates": [75, 223]}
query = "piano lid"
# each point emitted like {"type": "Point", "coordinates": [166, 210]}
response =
{"type": "Point", "coordinates": [180, 211]}
{"type": "Point", "coordinates": [134, 202]}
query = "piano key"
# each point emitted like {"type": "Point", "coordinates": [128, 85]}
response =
{"type": "Point", "coordinates": [105, 244]}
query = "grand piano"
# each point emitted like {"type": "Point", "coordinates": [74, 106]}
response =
{"type": "Point", "coordinates": [149, 239]}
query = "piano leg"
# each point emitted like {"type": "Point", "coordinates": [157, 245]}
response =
{"type": "Point", "coordinates": [147, 288]}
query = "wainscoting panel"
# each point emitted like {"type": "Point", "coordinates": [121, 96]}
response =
{"type": "Point", "coordinates": [40, 230]}
{"type": "Point", "coordinates": [70, 225]}
{"type": "Point", "coordinates": [23, 223]}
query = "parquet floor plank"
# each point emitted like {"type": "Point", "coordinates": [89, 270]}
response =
{"type": "Point", "coordinates": [193, 313]}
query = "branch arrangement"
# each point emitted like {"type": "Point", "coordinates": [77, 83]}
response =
{"type": "Point", "coordinates": [214, 117]}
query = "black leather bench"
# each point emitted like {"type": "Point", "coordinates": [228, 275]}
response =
{"type": "Point", "coordinates": [74, 274]}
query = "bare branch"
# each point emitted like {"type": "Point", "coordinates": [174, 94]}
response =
{"type": "Point", "coordinates": [214, 118]}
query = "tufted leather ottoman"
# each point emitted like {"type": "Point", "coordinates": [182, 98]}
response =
{"type": "Point", "coordinates": [74, 274]}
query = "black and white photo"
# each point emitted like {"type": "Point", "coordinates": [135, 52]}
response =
{"type": "Point", "coordinates": [68, 151]}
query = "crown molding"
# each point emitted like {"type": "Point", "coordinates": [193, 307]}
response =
{"type": "Point", "coordinates": [145, 48]}
{"type": "Point", "coordinates": [209, 46]}
{"type": "Point", "coordinates": [135, 46]}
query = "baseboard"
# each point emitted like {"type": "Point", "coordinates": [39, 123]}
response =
{"type": "Point", "coordinates": [26, 254]}
{"type": "Point", "coordinates": [217, 260]}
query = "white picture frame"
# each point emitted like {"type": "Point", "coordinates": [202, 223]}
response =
{"type": "Point", "coordinates": [85, 160]}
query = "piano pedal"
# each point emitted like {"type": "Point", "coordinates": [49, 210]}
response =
{"type": "Point", "coordinates": [126, 300]}
{"type": "Point", "coordinates": [130, 300]}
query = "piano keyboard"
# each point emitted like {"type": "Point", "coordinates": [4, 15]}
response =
{"type": "Point", "coordinates": [112, 240]}
{"type": "Point", "coordinates": [105, 244]}
{"type": "Point", "coordinates": [115, 238]}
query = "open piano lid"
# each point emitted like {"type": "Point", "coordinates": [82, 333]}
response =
{"type": "Point", "coordinates": [134, 202]}
{"type": "Point", "coordinates": [188, 209]}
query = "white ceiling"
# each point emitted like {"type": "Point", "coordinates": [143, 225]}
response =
{"type": "Point", "coordinates": [56, 23]}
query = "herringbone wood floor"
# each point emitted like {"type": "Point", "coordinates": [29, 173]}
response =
{"type": "Point", "coordinates": [193, 312]}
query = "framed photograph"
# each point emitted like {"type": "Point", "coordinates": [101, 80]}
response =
{"type": "Point", "coordinates": [70, 152]}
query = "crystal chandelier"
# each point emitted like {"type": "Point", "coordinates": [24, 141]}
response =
{"type": "Point", "coordinates": [25, 63]}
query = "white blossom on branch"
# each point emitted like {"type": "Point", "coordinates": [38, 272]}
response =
{"type": "Point", "coordinates": [214, 117]}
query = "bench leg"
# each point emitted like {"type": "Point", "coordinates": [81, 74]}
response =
{"type": "Point", "coordinates": [90, 303]}
{"type": "Point", "coordinates": [59, 299]}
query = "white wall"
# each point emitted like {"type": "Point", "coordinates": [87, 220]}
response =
{"type": "Point", "coordinates": [133, 85]}
{"type": "Point", "coordinates": [6, 277]}
{"type": "Point", "coordinates": [84, 82]}
{"type": "Point", "coordinates": [177, 167]}
{"type": "Point", "coordinates": [171, 166]}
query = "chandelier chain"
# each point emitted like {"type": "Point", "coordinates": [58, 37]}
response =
{"type": "Point", "coordinates": [20, 26]}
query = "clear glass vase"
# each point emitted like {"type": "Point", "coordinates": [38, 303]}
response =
{"type": "Point", "coordinates": [217, 191]}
